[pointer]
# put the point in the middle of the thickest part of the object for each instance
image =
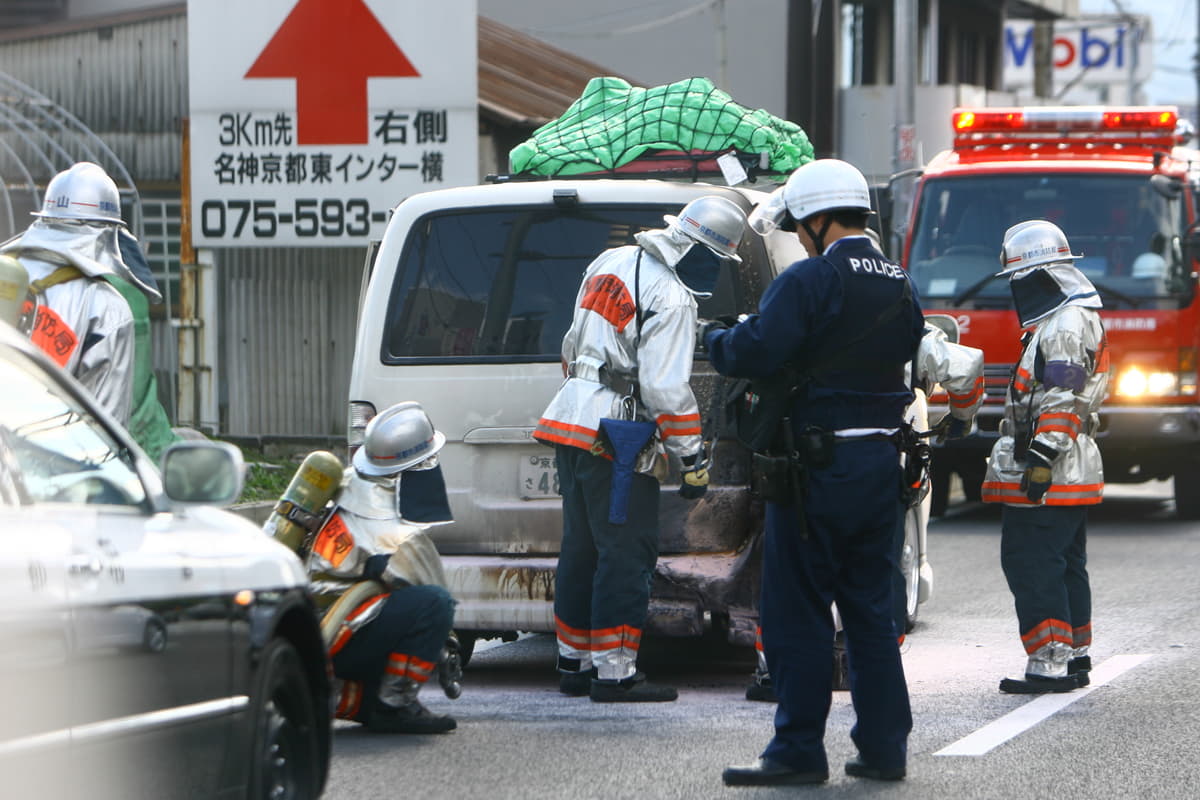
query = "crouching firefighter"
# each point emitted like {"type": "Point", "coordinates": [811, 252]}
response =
{"type": "Point", "coordinates": [1045, 467]}
{"type": "Point", "coordinates": [625, 404]}
{"type": "Point", "coordinates": [389, 618]}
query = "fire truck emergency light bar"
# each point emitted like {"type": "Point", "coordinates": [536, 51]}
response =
{"type": "Point", "coordinates": [1143, 125]}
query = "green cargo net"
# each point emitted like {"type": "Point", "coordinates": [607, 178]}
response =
{"type": "Point", "coordinates": [614, 128]}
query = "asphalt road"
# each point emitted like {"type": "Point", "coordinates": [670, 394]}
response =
{"type": "Point", "coordinates": [1133, 734]}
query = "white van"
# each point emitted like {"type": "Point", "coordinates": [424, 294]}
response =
{"type": "Point", "coordinates": [464, 306]}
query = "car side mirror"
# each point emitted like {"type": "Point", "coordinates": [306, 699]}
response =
{"type": "Point", "coordinates": [203, 473]}
{"type": "Point", "coordinates": [946, 323]}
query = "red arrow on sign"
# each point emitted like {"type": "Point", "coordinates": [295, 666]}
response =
{"type": "Point", "coordinates": [331, 47]}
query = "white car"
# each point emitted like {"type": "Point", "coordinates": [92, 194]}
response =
{"type": "Point", "coordinates": [463, 308]}
{"type": "Point", "coordinates": [154, 645]}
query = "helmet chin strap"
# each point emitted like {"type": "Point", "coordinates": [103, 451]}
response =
{"type": "Point", "coordinates": [818, 239]}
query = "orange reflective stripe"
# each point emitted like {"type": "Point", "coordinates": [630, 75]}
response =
{"type": "Point", "coordinates": [1050, 630]}
{"type": "Point", "coordinates": [340, 640]}
{"type": "Point", "coordinates": [679, 424]}
{"type": "Point", "coordinates": [1068, 495]}
{"type": "Point", "coordinates": [1082, 636]}
{"type": "Point", "coordinates": [1069, 431]}
{"type": "Point", "coordinates": [350, 700]}
{"type": "Point", "coordinates": [601, 639]}
{"type": "Point", "coordinates": [549, 430]}
{"type": "Point", "coordinates": [574, 637]}
{"type": "Point", "coordinates": [967, 398]}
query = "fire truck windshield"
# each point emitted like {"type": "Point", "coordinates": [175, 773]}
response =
{"type": "Point", "coordinates": [1127, 228]}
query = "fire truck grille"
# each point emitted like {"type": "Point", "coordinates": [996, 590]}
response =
{"type": "Point", "coordinates": [995, 381]}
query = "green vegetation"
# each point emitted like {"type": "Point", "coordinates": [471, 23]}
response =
{"type": "Point", "coordinates": [266, 476]}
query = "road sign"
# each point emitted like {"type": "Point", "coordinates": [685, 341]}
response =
{"type": "Point", "coordinates": [310, 119]}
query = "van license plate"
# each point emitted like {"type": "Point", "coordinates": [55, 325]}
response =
{"type": "Point", "coordinates": [538, 478]}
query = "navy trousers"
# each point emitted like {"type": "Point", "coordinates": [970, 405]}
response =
{"type": "Point", "coordinates": [602, 584]}
{"type": "Point", "coordinates": [1043, 552]}
{"type": "Point", "coordinates": [415, 621]}
{"type": "Point", "coordinates": [848, 556]}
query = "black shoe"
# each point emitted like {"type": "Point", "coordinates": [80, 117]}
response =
{"type": "Point", "coordinates": [412, 718]}
{"type": "Point", "coordinates": [858, 768]}
{"type": "Point", "coordinates": [1080, 667]}
{"type": "Point", "coordinates": [766, 772]}
{"type": "Point", "coordinates": [575, 684]}
{"type": "Point", "coordinates": [761, 692]}
{"type": "Point", "coordinates": [633, 689]}
{"type": "Point", "coordinates": [1038, 684]}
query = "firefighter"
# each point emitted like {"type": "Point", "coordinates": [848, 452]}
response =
{"type": "Point", "coordinates": [1045, 467]}
{"type": "Point", "coordinates": [625, 404]}
{"type": "Point", "coordinates": [846, 318]}
{"type": "Point", "coordinates": [394, 616]}
{"type": "Point", "coordinates": [72, 313]}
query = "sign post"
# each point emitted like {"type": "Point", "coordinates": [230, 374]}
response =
{"type": "Point", "coordinates": [311, 119]}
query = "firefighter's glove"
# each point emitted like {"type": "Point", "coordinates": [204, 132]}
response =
{"type": "Point", "coordinates": [694, 484]}
{"type": "Point", "coordinates": [694, 481]}
{"type": "Point", "coordinates": [704, 327]}
{"type": "Point", "coordinates": [1036, 480]}
{"type": "Point", "coordinates": [951, 428]}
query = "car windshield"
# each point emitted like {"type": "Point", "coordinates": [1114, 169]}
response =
{"type": "Point", "coordinates": [1127, 228]}
{"type": "Point", "coordinates": [52, 449]}
{"type": "Point", "coordinates": [500, 284]}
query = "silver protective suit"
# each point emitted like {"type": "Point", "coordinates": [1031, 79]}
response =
{"type": "Point", "coordinates": [1054, 405]}
{"type": "Point", "coordinates": [84, 324]}
{"type": "Point", "coordinates": [604, 342]}
{"type": "Point", "coordinates": [956, 367]}
{"type": "Point", "coordinates": [365, 523]}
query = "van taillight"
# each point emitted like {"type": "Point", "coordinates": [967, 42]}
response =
{"type": "Point", "coordinates": [356, 425]}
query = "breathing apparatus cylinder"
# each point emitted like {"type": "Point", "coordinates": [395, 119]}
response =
{"type": "Point", "coordinates": [14, 283]}
{"type": "Point", "coordinates": [298, 512]}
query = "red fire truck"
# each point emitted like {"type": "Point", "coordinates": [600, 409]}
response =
{"type": "Point", "coordinates": [1123, 187]}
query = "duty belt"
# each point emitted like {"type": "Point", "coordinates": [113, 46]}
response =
{"type": "Point", "coordinates": [626, 387]}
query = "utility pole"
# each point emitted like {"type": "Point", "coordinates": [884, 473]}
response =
{"type": "Point", "coordinates": [904, 72]}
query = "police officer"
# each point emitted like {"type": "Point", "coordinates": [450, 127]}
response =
{"type": "Point", "coordinates": [958, 369]}
{"type": "Point", "coordinates": [73, 314]}
{"type": "Point", "coordinates": [1045, 467]}
{"type": "Point", "coordinates": [625, 403]}
{"type": "Point", "coordinates": [393, 615]}
{"type": "Point", "coordinates": [846, 319]}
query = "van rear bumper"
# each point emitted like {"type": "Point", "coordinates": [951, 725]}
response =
{"type": "Point", "coordinates": [516, 593]}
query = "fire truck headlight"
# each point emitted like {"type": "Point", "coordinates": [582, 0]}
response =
{"type": "Point", "coordinates": [1135, 382]}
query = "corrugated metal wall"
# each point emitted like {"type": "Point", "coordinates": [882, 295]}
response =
{"type": "Point", "coordinates": [127, 83]}
{"type": "Point", "coordinates": [287, 337]}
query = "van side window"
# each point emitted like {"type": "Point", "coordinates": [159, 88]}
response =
{"type": "Point", "coordinates": [500, 284]}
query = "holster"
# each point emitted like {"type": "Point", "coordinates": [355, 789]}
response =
{"type": "Point", "coordinates": [782, 478]}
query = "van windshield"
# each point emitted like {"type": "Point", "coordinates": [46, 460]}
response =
{"type": "Point", "coordinates": [500, 284]}
{"type": "Point", "coordinates": [1127, 228]}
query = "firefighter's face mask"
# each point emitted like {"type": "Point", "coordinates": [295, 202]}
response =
{"type": "Point", "coordinates": [699, 269]}
{"type": "Point", "coordinates": [421, 494]}
{"type": "Point", "coordinates": [1035, 294]}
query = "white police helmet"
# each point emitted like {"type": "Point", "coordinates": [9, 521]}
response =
{"type": "Point", "coordinates": [715, 222]}
{"type": "Point", "coordinates": [1149, 265]}
{"type": "Point", "coordinates": [826, 184]}
{"type": "Point", "coordinates": [85, 193]}
{"type": "Point", "coordinates": [400, 437]}
{"type": "Point", "coordinates": [1033, 243]}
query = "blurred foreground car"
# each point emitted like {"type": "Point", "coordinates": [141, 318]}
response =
{"type": "Point", "coordinates": [154, 646]}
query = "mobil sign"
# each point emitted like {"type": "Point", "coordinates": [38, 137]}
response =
{"type": "Point", "coordinates": [1086, 51]}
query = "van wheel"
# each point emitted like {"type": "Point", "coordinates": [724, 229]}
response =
{"type": "Point", "coordinates": [285, 752]}
{"type": "Point", "coordinates": [1187, 492]}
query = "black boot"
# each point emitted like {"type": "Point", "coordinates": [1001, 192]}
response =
{"type": "Point", "coordinates": [633, 689]}
{"type": "Point", "coordinates": [574, 681]}
{"type": "Point", "coordinates": [761, 690]}
{"type": "Point", "coordinates": [1037, 684]}
{"type": "Point", "coordinates": [411, 718]}
{"type": "Point", "coordinates": [1080, 667]}
{"type": "Point", "coordinates": [766, 772]}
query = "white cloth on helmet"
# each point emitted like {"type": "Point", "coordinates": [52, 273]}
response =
{"type": "Point", "coordinates": [1073, 289]}
{"type": "Point", "coordinates": [93, 248]}
{"type": "Point", "coordinates": [604, 332]}
{"type": "Point", "coordinates": [86, 327]}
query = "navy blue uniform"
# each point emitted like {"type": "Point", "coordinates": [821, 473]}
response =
{"type": "Point", "coordinates": [812, 311]}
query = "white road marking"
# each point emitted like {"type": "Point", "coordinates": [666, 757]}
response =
{"type": "Point", "coordinates": [1022, 719]}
